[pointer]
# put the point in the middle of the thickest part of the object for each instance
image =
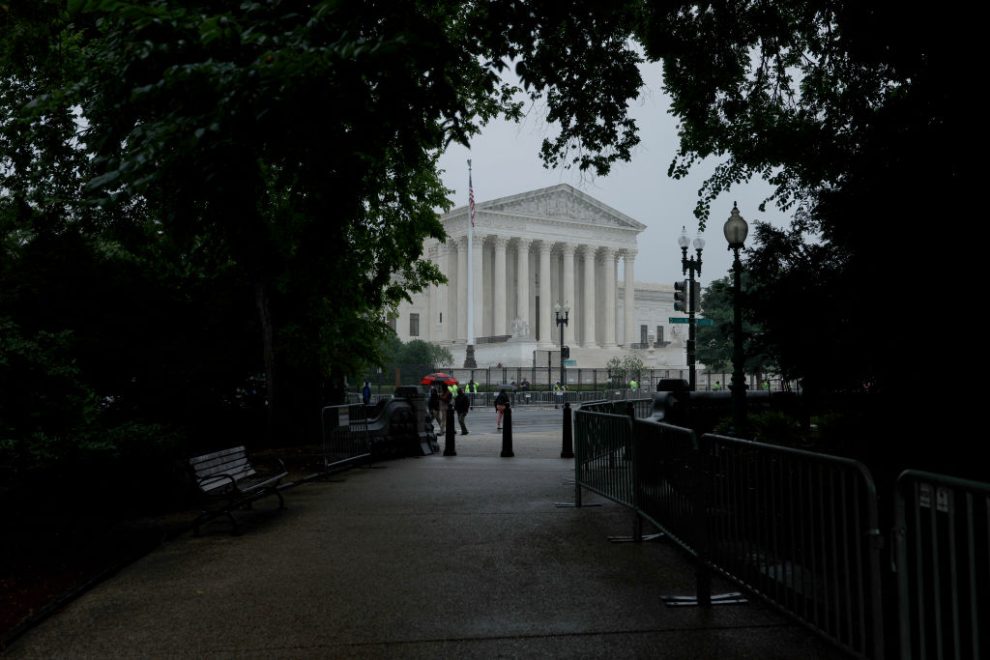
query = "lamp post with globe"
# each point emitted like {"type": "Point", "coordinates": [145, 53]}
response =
{"type": "Point", "coordinates": [736, 230]}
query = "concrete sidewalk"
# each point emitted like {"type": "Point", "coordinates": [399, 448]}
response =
{"type": "Point", "coordinates": [456, 557]}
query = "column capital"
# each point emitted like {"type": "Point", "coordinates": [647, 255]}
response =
{"type": "Point", "coordinates": [629, 254]}
{"type": "Point", "coordinates": [609, 252]}
{"type": "Point", "coordinates": [568, 248]}
{"type": "Point", "coordinates": [500, 241]}
{"type": "Point", "coordinates": [588, 250]}
{"type": "Point", "coordinates": [546, 246]}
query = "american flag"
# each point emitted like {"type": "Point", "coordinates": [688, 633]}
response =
{"type": "Point", "coordinates": [471, 197]}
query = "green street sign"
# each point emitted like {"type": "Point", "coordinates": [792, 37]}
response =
{"type": "Point", "coordinates": [701, 323]}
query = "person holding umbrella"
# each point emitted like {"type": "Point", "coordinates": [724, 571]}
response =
{"type": "Point", "coordinates": [441, 381]}
{"type": "Point", "coordinates": [433, 405]}
{"type": "Point", "coordinates": [445, 400]}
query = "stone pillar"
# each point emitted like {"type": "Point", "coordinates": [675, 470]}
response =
{"type": "Point", "coordinates": [546, 319]}
{"type": "Point", "coordinates": [448, 297]}
{"type": "Point", "coordinates": [522, 291]}
{"type": "Point", "coordinates": [589, 310]}
{"type": "Point", "coordinates": [608, 265]}
{"type": "Point", "coordinates": [629, 273]}
{"type": "Point", "coordinates": [499, 287]}
{"type": "Point", "coordinates": [428, 326]}
{"type": "Point", "coordinates": [462, 261]}
{"type": "Point", "coordinates": [478, 277]}
{"type": "Point", "coordinates": [568, 289]}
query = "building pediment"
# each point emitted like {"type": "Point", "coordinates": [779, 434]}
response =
{"type": "Point", "coordinates": [560, 203]}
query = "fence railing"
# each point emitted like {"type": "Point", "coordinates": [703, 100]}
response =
{"type": "Point", "coordinates": [542, 378]}
{"type": "Point", "coordinates": [602, 453]}
{"type": "Point", "coordinates": [942, 548]}
{"type": "Point", "coordinates": [345, 435]}
{"type": "Point", "coordinates": [797, 528]}
{"type": "Point", "coordinates": [800, 529]}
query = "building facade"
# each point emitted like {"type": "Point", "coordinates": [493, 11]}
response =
{"type": "Point", "coordinates": [533, 251]}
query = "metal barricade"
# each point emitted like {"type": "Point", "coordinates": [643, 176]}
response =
{"type": "Point", "coordinates": [603, 456]}
{"type": "Point", "coordinates": [800, 529]}
{"type": "Point", "coordinates": [345, 435]}
{"type": "Point", "coordinates": [667, 480]}
{"type": "Point", "coordinates": [942, 554]}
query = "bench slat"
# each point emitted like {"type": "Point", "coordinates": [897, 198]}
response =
{"type": "Point", "coordinates": [221, 481]}
{"type": "Point", "coordinates": [218, 454]}
{"type": "Point", "coordinates": [205, 470]}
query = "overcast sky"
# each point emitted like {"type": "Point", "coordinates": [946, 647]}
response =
{"type": "Point", "coordinates": [505, 160]}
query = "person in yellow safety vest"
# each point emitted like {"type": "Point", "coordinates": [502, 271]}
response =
{"type": "Point", "coordinates": [453, 389]}
{"type": "Point", "coordinates": [472, 390]}
{"type": "Point", "coordinates": [558, 394]}
{"type": "Point", "coordinates": [633, 385]}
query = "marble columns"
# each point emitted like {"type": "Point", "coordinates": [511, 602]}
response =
{"type": "Point", "coordinates": [628, 301]}
{"type": "Point", "coordinates": [608, 266]}
{"type": "Point", "coordinates": [546, 321]}
{"type": "Point", "coordinates": [590, 310]}
{"type": "Point", "coordinates": [522, 274]}
{"type": "Point", "coordinates": [499, 286]}
{"type": "Point", "coordinates": [568, 291]}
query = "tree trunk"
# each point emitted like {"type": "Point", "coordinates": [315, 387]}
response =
{"type": "Point", "coordinates": [268, 340]}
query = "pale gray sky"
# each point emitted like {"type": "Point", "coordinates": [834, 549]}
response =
{"type": "Point", "coordinates": [506, 161]}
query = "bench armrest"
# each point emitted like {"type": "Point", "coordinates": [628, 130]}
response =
{"type": "Point", "coordinates": [201, 480]}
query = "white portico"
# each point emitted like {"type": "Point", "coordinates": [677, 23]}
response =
{"type": "Point", "coordinates": [532, 251]}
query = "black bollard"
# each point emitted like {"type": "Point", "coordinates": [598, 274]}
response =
{"type": "Point", "coordinates": [507, 433]}
{"type": "Point", "coordinates": [568, 449]}
{"type": "Point", "coordinates": [449, 448]}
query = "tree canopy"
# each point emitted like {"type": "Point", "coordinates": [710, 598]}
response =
{"type": "Point", "coordinates": [193, 194]}
{"type": "Point", "coordinates": [715, 342]}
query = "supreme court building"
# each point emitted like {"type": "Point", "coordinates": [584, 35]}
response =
{"type": "Point", "coordinates": [533, 251]}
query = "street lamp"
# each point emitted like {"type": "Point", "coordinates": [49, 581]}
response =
{"type": "Point", "coordinates": [735, 230]}
{"type": "Point", "coordinates": [690, 267]}
{"type": "Point", "coordinates": [561, 315]}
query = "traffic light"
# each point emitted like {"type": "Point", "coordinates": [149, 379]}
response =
{"type": "Point", "coordinates": [680, 296]}
{"type": "Point", "coordinates": [695, 297]}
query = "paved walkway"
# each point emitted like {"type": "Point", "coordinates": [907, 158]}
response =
{"type": "Point", "coordinates": [456, 557]}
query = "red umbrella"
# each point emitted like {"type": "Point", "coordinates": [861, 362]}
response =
{"type": "Point", "coordinates": [438, 377]}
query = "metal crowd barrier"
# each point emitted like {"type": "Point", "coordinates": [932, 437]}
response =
{"type": "Point", "coordinates": [345, 435]}
{"type": "Point", "coordinates": [942, 548]}
{"type": "Point", "coordinates": [797, 528]}
{"type": "Point", "coordinates": [667, 480]}
{"type": "Point", "coordinates": [800, 529]}
{"type": "Point", "coordinates": [602, 456]}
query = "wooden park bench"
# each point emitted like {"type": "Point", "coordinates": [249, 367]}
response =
{"type": "Point", "coordinates": [227, 476]}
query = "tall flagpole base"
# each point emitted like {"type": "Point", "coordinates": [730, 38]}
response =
{"type": "Point", "coordinates": [469, 361]}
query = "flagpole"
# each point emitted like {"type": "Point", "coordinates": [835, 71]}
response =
{"type": "Point", "coordinates": [469, 361]}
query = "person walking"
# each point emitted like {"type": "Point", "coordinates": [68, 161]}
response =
{"type": "Point", "coordinates": [558, 394]}
{"type": "Point", "coordinates": [433, 404]}
{"type": "Point", "coordinates": [366, 393]}
{"type": "Point", "coordinates": [472, 389]}
{"type": "Point", "coordinates": [445, 400]}
{"type": "Point", "coordinates": [501, 404]}
{"type": "Point", "coordinates": [633, 385]}
{"type": "Point", "coordinates": [462, 404]}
